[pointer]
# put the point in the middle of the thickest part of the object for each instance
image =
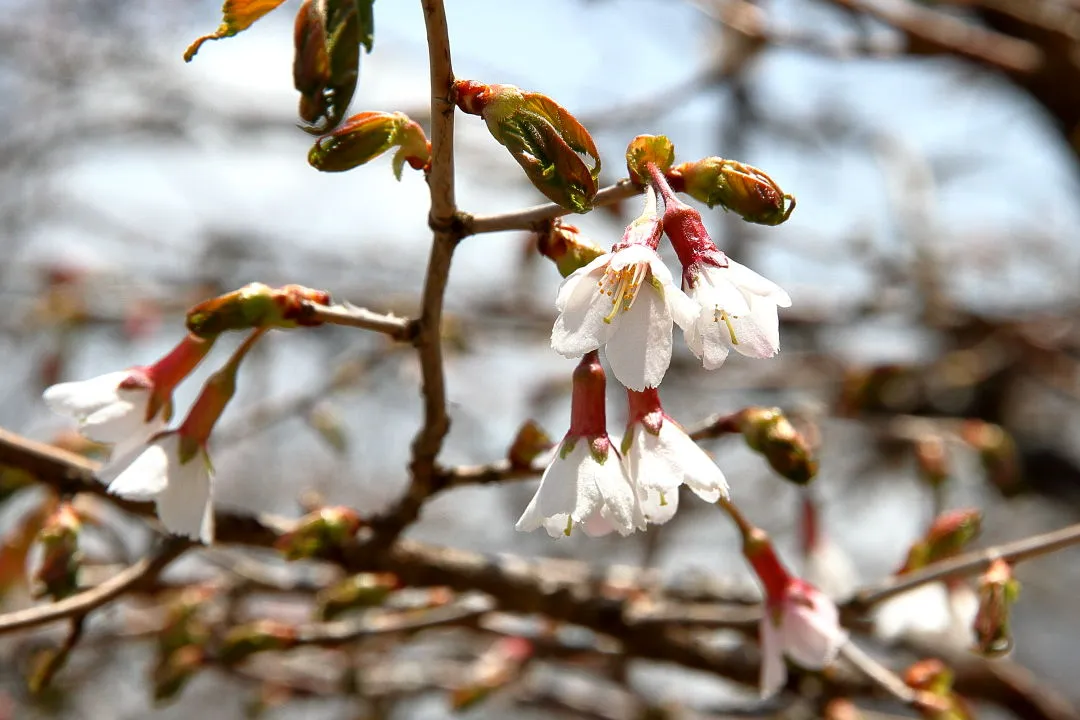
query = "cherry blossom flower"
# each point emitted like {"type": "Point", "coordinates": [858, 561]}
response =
{"type": "Point", "coordinates": [738, 307]}
{"type": "Point", "coordinates": [128, 407]}
{"type": "Point", "coordinates": [586, 483]}
{"type": "Point", "coordinates": [825, 564]}
{"type": "Point", "coordinates": [174, 471]}
{"type": "Point", "coordinates": [627, 302]}
{"type": "Point", "coordinates": [936, 611]}
{"type": "Point", "coordinates": [660, 456]}
{"type": "Point", "coordinates": [800, 622]}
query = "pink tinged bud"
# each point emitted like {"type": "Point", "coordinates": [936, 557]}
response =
{"type": "Point", "coordinates": [173, 671]}
{"type": "Point", "coordinates": [932, 459]}
{"type": "Point", "coordinates": [368, 135]}
{"type": "Point", "coordinates": [530, 442]}
{"type": "Point", "coordinates": [569, 249]}
{"type": "Point", "coordinates": [255, 306]}
{"type": "Point", "coordinates": [646, 149]}
{"type": "Point", "coordinates": [542, 136]}
{"type": "Point", "coordinates": [997, 452]}
{"type": "Point", "coordinates": [243, 641]}
{"type": "Point", "coordinates": [57, 573]}
{"type": "Point", "coordinates": [318, 533]}
{"type": "Point", "coordinates": [742, 189]}
{"type": "Point", "coordinates": [951, 532]}
{"type": "Point", "coordinates": [355, 593]}
{"type": "Point", "coordinates": [998, 591]}
{"type": "Point", "coordinates": [769, 432]}
{"type": "Point", "coordinates": [936, 699]}
{"type": "Point", "coordinates": [237, 16]}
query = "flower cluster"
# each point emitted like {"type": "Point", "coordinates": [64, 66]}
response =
{"type": "Point", "coordinates": [627, 302]}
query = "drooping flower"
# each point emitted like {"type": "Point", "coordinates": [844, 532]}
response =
{"type": "Point", "coordinates": [738, 307]}
{"type": "Point", "coordinates": [626, 301]}
{"type": "Point", "coordinates": [586, 483]}
{"type": "Point", "coordinates": [660, 456]}
{"type": "Point", "coordinates": [128, 407]}
{"type": "Point", "coordinates": [800, 622]}
{"type": "Point", "coordinates": [173, 469]}
{"type": "Point", "coordinates": [825, 564]}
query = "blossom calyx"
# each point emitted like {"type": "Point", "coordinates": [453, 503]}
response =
{"type": "Point", "coordinates": [769, 432]}
{"type": "Point", "coordinates": [541, 135]}
{"type": "Point", "coordinates": [57, 574]}
{"type": "Point", "coordinates": [998, 591]}
{"type": "Point", "coordinates": [366, 136]}
{"type": "Point", "coordinates": [567, 247]}
{"type": "Point", "coordinates": [363, 590]}
{"type": "Point", "coordinates": [255, 306]}
{"type": "Point", "coordinates": [243, 641]}
{"type": "Point", "coordinates": [734, 186]}
{"type": "Point", "coordinates": [318, 532]}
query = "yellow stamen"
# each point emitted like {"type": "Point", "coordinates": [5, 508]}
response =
{"type": "Point", "coordinates": [569, 526]}
{"type": "Point", "coordinates": [622, 287]}
{"type": "Point", "coordinates": [722, 315]}
{"type": "Point", "coordinates": [663, 499]}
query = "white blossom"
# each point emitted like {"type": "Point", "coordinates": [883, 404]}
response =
{"type": "Point", "coordinates": [738, 310]}
{"type": "Point", "coordinates": [625, 301]}
{"type": "Point", "coordinates": [181, 487]}
{"type": "Point", "coordinates": [110, 408]}
{"type": "Point", "coordinates": [803, 625]}
{"type": "Point", "coordinates": [578, 488]}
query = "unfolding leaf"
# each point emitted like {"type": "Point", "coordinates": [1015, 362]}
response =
{"type": "Point", "coordinates": [645, 149]}
{"type": "Point", "coordinates": [367, 135]}
{"type": "Point", "coordinates": [237, 16]}
{"type": "Point", "coordinates": [328, 37]}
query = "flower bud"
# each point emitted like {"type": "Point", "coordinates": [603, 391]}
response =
{"type": "Point", "coordinates": [951, 532]}
{"type": "Point", "coordinates": [770, 433]}
{"type": "Point", "coordinates": [542, 136]}
{"type": "Point", "coordinates": [936, 699]}
{"type": "Point", "coordinates": [530, 442]}
{"type": "Point", "coordinates": [368, 135]}
{"type": "Point", "coordinates": [57, 576]}
{"type": "Point", "coordinates": [740, 188]}
{"type": "Point", "coordinates": [998, 590]}
{"type": "Point", "coordinates": [181, 645]}
{"type": "Point", "coordinates": [645, 149]}
{"type": "Point", "coordinates": [359, 591]}
{"type": "Point", "coordinates": [842, 709]}
{"type": "Point", "coordinates": [255, 306]}
{"type": "Point", "coordinates": [173, 671]}
{"type": "Point", "coordinates": [997, 452]}
{"type": "Point", "coordinates": [932, 460]}
{"type": "Point", "coordinates": [237, 16]}
{"type": "Point", "coordinates": [319, 532]}
{"type": "Point", "coordinates": [497, 667]}
{"type": "Point", "coordinates": [328, 35]}
{"type": "Point", "coordinates": [259, 636]}
{"type": "Point", "coordinates": [569, 249]}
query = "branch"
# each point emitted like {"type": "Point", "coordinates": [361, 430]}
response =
{"type": "Point", "coordinates": [397, 328]}
{"type": "Point", "coordinates": [968, 564]}
{"type": "Point", "coordinates": [930, 32]}
{"type": "Point", "coordinates": [444, 224]}
{"type": "Point", "coordinates": [533, 218]}
{"type": "Point", "coordinates": [885, 678]}
{"type": "Point", "coordinates": [84, 602]}
{"type": "Point", "coordinates": [335, 633]}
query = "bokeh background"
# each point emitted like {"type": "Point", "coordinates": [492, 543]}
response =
{"type": "Point", "coordinates": [932, 262]}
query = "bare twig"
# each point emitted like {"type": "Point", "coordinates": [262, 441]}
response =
{"type": "Point", "coordinates": [881, 675]}
{"type": "Point", "coordinates": [55, 663]}
{"type": "Point", "coordinates": [533, 218]}
{"type": "Point", "coordinates": [79, 605]}
{"type": "Point", "coordinates": [349, 315]}
{"type": "Point", "coordinates": [465, 608]}
{"type": "Point", "coordinates": [968, 564]}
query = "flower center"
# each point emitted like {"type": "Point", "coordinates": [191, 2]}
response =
{"type": "Point", "coordinates": [622, 286]}
{"type": "Point", "coordinates": [721, 315]}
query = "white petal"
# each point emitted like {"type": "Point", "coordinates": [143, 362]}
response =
{"type": "Point", "coordinates": [184, 506]}
{"type": "Point", "coordinates": [920, 611]}
{"type": "Point", "coordinates": [684, 310]}
{"type": "Point", "coordinates": [597, 525]}
{"type": "Point", "coordinates": [634, 254]}
{"type": "Point", "coordinates": [758, 332]}
{"type": "Point", "coordinates": [695, 467]}
{"type": "Point", "coordinates": [142, 475]}
{"type": "Point", "coordinates": [828, 568]}
{"type": "Point", "coordinates": [81, 398]}
{"type": "Point", "coordinates": [756, 284]}
{"type": "Point", "coordinates": [621, 504]}
{"type": "Point", "coordinates": [139, 435]}
{"type": "Point", "coordinates": [640, 352]}
{"type": "Point", "coordinates": [715, 291]}
{"type": "Point", "coordinates": [581, 326]}
{"type": "Point", "coordinates": [659, 506]}
{"type": "Point", "coordinates": [773, 669]}
{"type": "Point", "coordinates": [649, 463]}
{"type": "Point", "coordinates": [588, 274]}
{"type": "Point", "coordinates": [812, 636]}
{"type": "Point", "coordinates": [567, 488]}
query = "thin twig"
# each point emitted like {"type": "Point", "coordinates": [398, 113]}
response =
{"type": "Point", "coordinates": [881, 675]}
{"type": "Point", "coordinates": [467, 607]}
{"type": "Point", "coordinates": [968, 564]}
{"type": "Point", "coordinates": [42, 678]}
{"type": "Point", "coordinates": [397, 328]}
{"type": "Point", "coordinates": [84, 602]}
{"type": "Point", "coordinates": [533, 218]}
